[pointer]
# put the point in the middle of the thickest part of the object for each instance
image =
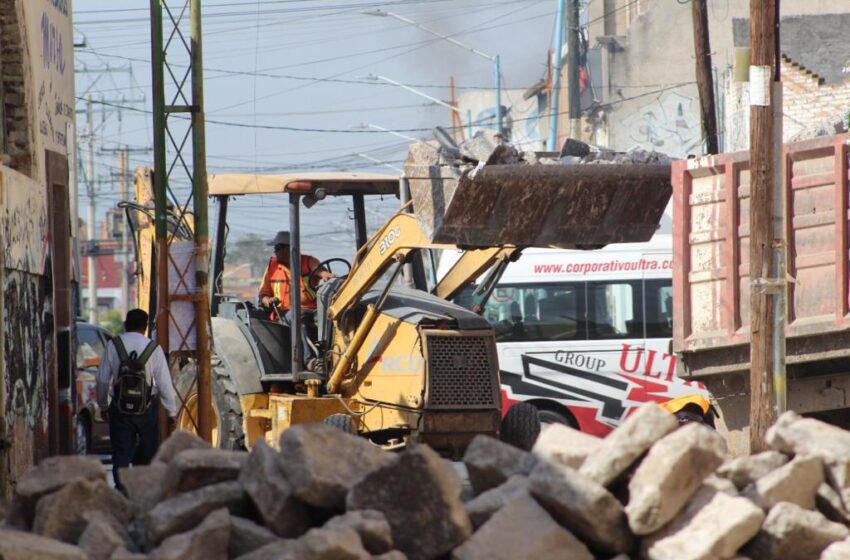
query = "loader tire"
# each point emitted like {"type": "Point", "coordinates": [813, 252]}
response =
{"type": "Point", "coordinates": [520, 426]}
{"type": "Point", "coordinates": [227, 410]}
{"type": "Point", "coordinates": [344, 422]}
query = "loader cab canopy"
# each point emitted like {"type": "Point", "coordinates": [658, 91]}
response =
{"type": "Point", "coordinates": [332, 184]}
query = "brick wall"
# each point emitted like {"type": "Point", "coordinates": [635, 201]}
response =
{"type": "Point", "coordinates": [808, 105]}
{"type": "Point", "coordinates": [16, 125]}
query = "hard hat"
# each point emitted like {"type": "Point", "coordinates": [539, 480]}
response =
{"type": "Point", "coordinates": [675, 405]}
{"type": "Point", "coordinates": [282, 238]}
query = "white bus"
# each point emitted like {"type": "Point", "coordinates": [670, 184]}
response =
{"type": "Point", "coordinates": [585, 336]}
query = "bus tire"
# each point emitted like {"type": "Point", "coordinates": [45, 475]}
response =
{"type": "Point", "coordinates": [342, 421]}
{"type": "Point", "coordinates": [520, 426]}
{"type": "Point", "coordinates": [548, 416]}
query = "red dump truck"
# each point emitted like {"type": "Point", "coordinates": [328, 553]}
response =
{"type": "Point", "coordinates": [711, 279]}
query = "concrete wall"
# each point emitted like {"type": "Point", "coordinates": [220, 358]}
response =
{"type": "Point", "coordinates": [651, 100]}
{"type": "Point", "coordinates": [36, 74]}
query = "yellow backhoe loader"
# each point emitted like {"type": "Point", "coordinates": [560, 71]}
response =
{"type": "Point", "coordinates": [402, 364]}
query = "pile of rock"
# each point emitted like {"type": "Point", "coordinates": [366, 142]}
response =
{"type": "Point", "coordinates": [649, 490]}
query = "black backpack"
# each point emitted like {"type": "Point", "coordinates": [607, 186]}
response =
{"type": "Point", "coordinates": [132, 393]}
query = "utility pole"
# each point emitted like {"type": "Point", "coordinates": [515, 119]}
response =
{"type": "Point", "coordinates": [767, 264]}
{"type": "Point", "coordinates": [573, 77]}
{"type": "Point", "coordinates": [555, 96]}
{"type": "Point", "coordinates": [125, 260]}
{"type": "Point", "coordinates": [705, 81]}
{"type": "Point", "coordinates": [92, 212]}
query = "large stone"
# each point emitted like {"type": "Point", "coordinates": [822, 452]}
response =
{"type": "Point", "coordinates": [795, 435]}
{"type": "Point", "coordinates": [272, 494]}
{"type": "Point", "coordinates": [207, 541]}
{"type": "Point", "coordinates": [333, 544]}
{"type": "Point", "coordinates": [483, 146]}
{"type": "Point", "coordinates": [581, 505]}
{"type": "Point", "coordinates": [391, 555]}
{"type": "Point", "coordinates": [52, 474]}
{"type": "Point", "coordinates": [322, 463]}
{"type": "Point", "coordinates": [564, 445]}
{"type": "Point", "coordinates": [61, 515]}
{"type": "Point", "coordinates": [796, 482]}
{"type": "Point", "coordinates": [522, 530]}
{"type": "Point", "coordinates": [837, 551]}
{"type": "Point", "coordinates": [792, 533]}
{"type": "Point", "coordinates": [424, 152]}
{"type": "Point", "coordinates": [372, 526]}
{"type": "Point", "coordinates": [102, 536]}
{"type": "Point", "coordinates": [192, 468]}
{"type": "Point", "coordinates": [246, 536]}
{"type": "Point", "coordinates": [483, 506]}
{"type": "Point", "coordinates": [670, 474]}
{"type": "Point", "coordinates": [145, 484]}
{"type": "Point", "coordinates": [627, 443]}
{"type": "Point", "coordinates": [715, 532]}
{"type": "Point", "coordinates": [281, 549]}
{"type": "Point", "coordinates": [704, 494]}
{"type": "Point", "coordinates": [177, 442]}
{"type": "Point", "coordinates": [491, 462]}
{"type": "Point", "coordinates": [419, 497]}
{"type": "Point", "coordinates": [184, 511]}
{"type": "Point", "coordinates": [18, 545]}
{"type": "Point", "coordinates": [745, 470]}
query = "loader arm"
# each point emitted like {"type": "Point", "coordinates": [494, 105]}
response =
{"type": "Point", "coordinates": [470, 266]}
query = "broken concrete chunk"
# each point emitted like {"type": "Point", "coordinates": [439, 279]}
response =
{"type": "Point", "coordinates": [746, 469]}
{"type": "Point", "coordinates": [18, 545]}
{"type": "Point", "coordinates": [145, 484]}
{"type": "Point", "coordinates": [792, 533]}
{"type": "Point", "coordinates": [582, 506]}
{"type": "Point", "coordinates": [670, 474]}
{"type": "Point", "coordinates": [192, 468]}
{"type": "Point", "coordinates": [124, 554]}
{"type": "Point", "coordinates": [491, 462]}
{"type": "Point", "coordinates": [372, 526]}
{"type": "Point", "coordinates": [704, 494]}
{"type": "Point", "coordinates": [483, 506]}
{"type": "Point", "coordinates": [333, 544]}
{"type": "Point", "coordinates": [437, 524]}
{"type": "Point", "coordinates": [828, 502]}
{"type": "Point", "coordinates": [573, 147]}
{"type": "Point", "coordinates": [207, 541]}
{"type": "Point", "coordinates": [177, 442]}
{"type": "Point", "coordinates": [52, 474]}
{"type": "Point", "coordinates": [246, 536]}
{"type": "Point", "coordinates": [184, 511]}
{"type": "Point", "coordinates": [628, 443]}
{"type": "Point", "coordinates": [391, 555]}
{"type": "Point", "coordinates": [272, 494]}
{"type": "Point", "coordinates": [796, 482]}
{"type": "Point", "coordinates": [522, 530]}
{"type": "Point", "coordinates": [282, 549]}
{"type": "Point", "coordinates": [102, 536]}
{"type": "Point", "coordinates": [565, 445]}
{"type": "Point", "coordinates": [61, 515]}
{"type": "Point", "coordinates": [425, 152]}
{"type": "Point", "coordinates": [715, 532]}
{"type": "Point", "coordinates": [323, 463]}
{"type": "Point", "coordinates": [837, 551]}
{"type": "Point", "coordinates": [481, 146]}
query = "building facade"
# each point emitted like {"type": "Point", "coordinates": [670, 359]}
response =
{"type": "Point", "coordinates": [36, 232]}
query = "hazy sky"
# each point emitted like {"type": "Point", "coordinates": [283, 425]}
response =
{"type": "Point", "coordinates": [302, 64]}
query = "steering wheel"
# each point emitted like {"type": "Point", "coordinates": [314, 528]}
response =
{"type": "Point", "coordinates": [325, 264]}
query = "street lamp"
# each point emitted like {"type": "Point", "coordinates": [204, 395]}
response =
{"type": "Point", "coordinates": [492, 58]}
{"type": "Point", "coordinates": [428, 97]}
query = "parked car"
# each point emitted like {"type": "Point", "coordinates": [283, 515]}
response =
{"type": "Point", "coordinates": [92, 433]}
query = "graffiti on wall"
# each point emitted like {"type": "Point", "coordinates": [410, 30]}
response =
{"type": "Point", "coordinates": [521, 116]}
{"type": "Point", "coordinates": [24, 222]}
{"type": "Point", "coordinates": [670, 123]}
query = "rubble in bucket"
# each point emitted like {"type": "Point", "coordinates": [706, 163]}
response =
{"type": "Point", "coordinates": [486, 193]}
{"type": "Point", "coordinates": [650, 490]}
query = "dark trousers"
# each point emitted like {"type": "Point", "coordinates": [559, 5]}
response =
{"type": "Point", "coordinates": [134, 439]}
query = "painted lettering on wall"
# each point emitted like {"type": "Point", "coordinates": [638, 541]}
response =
{"type": "Point", "coordinates": [52, 45]}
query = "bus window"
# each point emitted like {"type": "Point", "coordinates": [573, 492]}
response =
{"type": "Point", "coordinates": [659, 309]}
{"type": "Point", "coordinates": [614, 310]}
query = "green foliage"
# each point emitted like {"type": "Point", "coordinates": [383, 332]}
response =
{"type": "Point", "coordinates": [112, 321]}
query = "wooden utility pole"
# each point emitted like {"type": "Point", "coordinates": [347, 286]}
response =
{"type": "Point", "coordinates": [705, 82]}
{"type": "Point", "coordinates": [573, 78]}
{"type": "Point", "coordinates": [767, 307]}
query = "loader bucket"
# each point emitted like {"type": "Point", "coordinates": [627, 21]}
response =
{"type": "Point", "coordinates": [568, 206]}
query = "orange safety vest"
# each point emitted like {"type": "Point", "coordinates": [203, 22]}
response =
{"type": "Point", "coordinates": [279, 277]}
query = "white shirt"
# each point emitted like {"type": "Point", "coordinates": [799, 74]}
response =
{"type": "Point", "coordinates": [156, 369]}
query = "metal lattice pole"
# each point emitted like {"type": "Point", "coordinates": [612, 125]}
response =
{"type": "Point", "coordinates": [177, 59]}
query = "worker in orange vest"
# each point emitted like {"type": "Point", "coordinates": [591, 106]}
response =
{"type": "Point", "coordinates": [277, 279]}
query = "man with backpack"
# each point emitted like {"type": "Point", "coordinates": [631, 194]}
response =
{"type": "Point", "coordinates": [132, 373]}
